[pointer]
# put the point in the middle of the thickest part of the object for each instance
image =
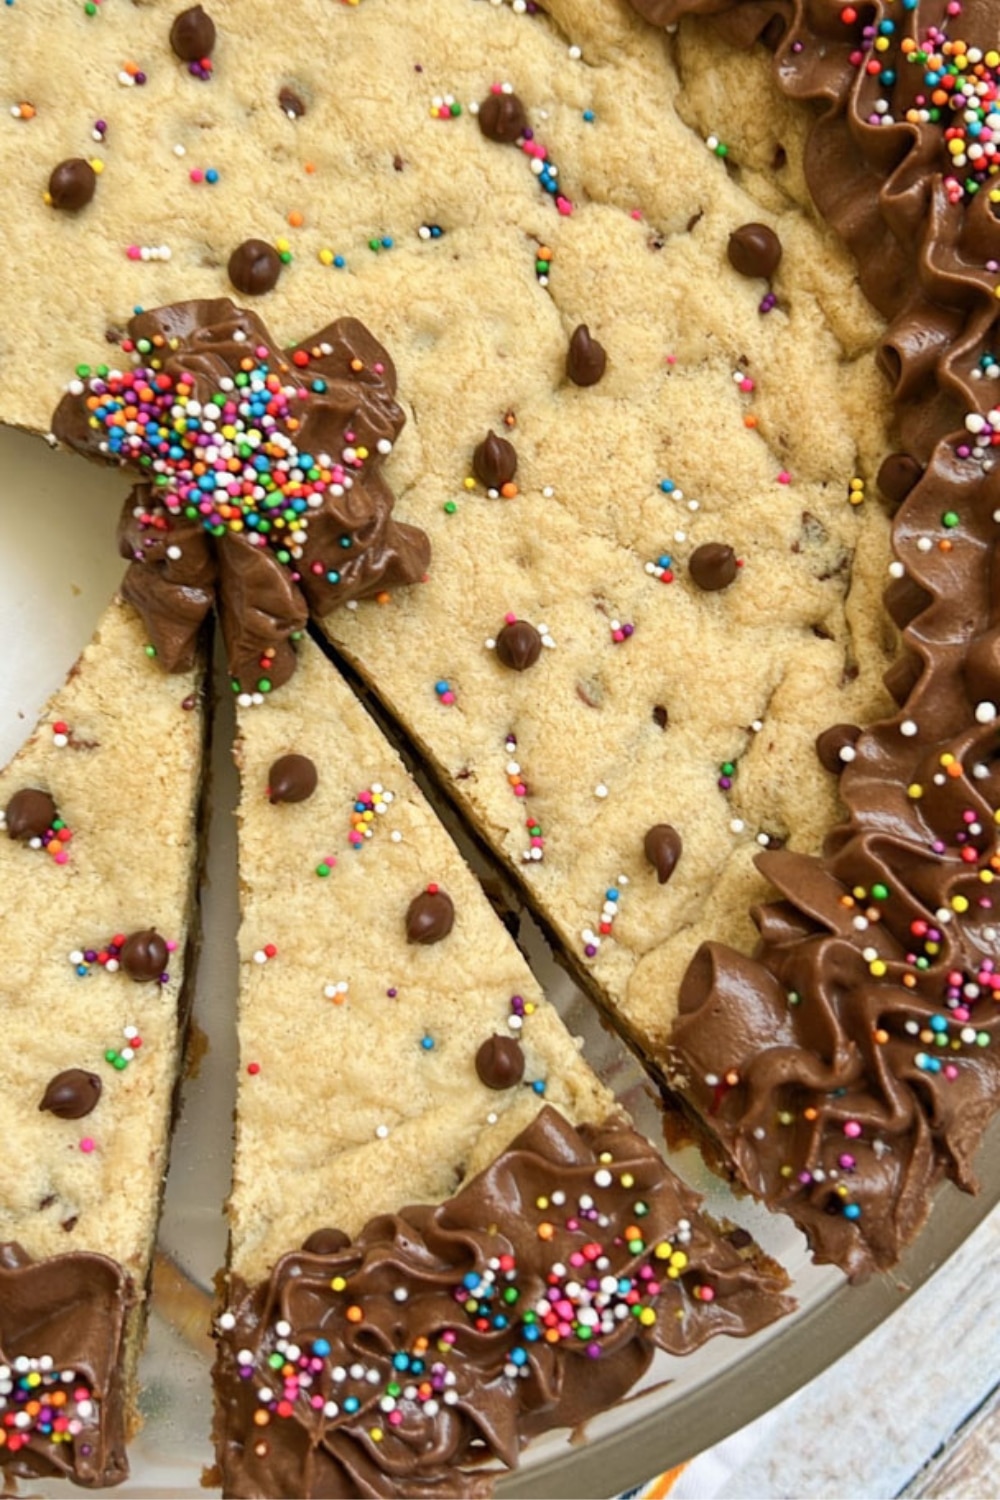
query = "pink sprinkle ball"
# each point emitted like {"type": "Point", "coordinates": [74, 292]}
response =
{"type": "Point", "coordinates": [196, 174]}
{"type": "Point", "coordinates": [448, 697]}
{"type": "Point", "coordinates": [87, 1145]}
{"type": "Point", "coordinates": [852, 1129]}
{"type": "Point", "coordinates": [784, 477]}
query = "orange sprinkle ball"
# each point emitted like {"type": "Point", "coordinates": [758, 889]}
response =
{"type": "Point", "coordinates": [546, 1231]}
{"type": "Point", "coordinates": [23, 111]}
{"type": "Point", "coordinates": [310, 167]}
{"type": "Point", "coordinates": [508, 490]}
{"type": "Point", "coordinates": [296, 219]}
{"type": "Point", "coordinates": [354, 1314]}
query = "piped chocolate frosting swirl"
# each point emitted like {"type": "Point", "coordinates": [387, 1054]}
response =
{"type": "Point", "coordinates": [272, 528]}
{"type": "Point", "coordinates": [432, 1345]}
{"type": "Point", "coordinates": [855, 1060]}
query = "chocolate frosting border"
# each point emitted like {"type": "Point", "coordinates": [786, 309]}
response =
{"type": "Point", "coordinates": [854, 1061]}
{"type": "Point", "coordinates": [71, 1310]}
{"type": "Point", "coordinates": [411, 1321]}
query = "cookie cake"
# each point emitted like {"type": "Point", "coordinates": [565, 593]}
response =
{"type": "Point", "coordinates": [652, 449]}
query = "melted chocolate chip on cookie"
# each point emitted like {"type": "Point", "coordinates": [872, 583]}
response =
{"type": "Point", "coordinates": [500, 1062]}
{"type": "Point", "coordinates": [662, 847]}
{"type": "Point", "coordinates": [713, 566]}
{"type": "Point", "coordinates": [254, 267]}
{"type": "Point", "coordinates": [494, 461]}
{"type": "Point", "coordinates": [144, 955]}
{"type": "Point", "coordinates": [71, 1094]}
{"type": "Point", "coordinates": [192, 36]}
{"type": "Point", "coordinates": [754, 250]}
{"type": "Point", "coordinates": [292, 778]}
{"type": "Point", "coordinates": [29, 814]}
{"type": "Point", "coordinates": [293, 106]}
{"type": "Point", "coordinates": [502, 118]}
{"type": "Point", "coordinates": [519, 645]}
{"type": "Point", "coordinates": [587, 360]}
{"type": "Point", "coordinates": [430, 916]}
{"type": "Point", "coordinates": [72, 184]}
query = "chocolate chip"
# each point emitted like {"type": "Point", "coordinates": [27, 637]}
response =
{"type": "Point", "coordinates": [754, 250]}
{"type": "Point", "coordinates": [832, 741]}
{"type": "Point", "coordinates": [897, 476]}
{"type": "Point", "coordinates": [72, 184]}
{"type": "Point", "coordinates": [144, 955]}
{"type": "Point", "coordinates": [30, 813]}
{"type": "Point", "coordinates": [587, 359]}
{"type": "Point", "coordinates": [326, 1241]}
{"type": "Point", "coordinates": [713, 566]}
{"type": "Point", "coordinates": [502, 118]}
{"type": "Point", "coordinates": [429, 916]}
{"type": "Point", "coordinates": [519, 645]}
{"type": "Point", "coordinates": [292, 778]}
{"type": "Point", "coordinates": [290, 102]}
{"type": "Point", "coordinates": [662, 846]}
{"type": "Point", "coordinates": [254, 267]}
{"type": "Point", "coordinates": [500, 1062]}
{"type": "Point", "coordinates": [71, 1094]}
{"type": "Point", "coordinates": [739, 1238]}
{"type": "Point", "coordinates": [192, 36]}
{"type": "Point", "coordinates": [494, 461]}
{"type": "Point", "coordinates": [660, 716]}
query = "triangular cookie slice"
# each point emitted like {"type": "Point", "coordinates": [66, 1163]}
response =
{"type": "Point", "coordinates": [98, 860]}
{"type": "Point", "coordinates": [396, 1050]}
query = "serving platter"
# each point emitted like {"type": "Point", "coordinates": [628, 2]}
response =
{"type": "Point", "coordinates": [58, 568]}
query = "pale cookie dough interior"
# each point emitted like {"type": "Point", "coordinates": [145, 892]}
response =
{"type": "Point", "coordinates": [359, 1092]}
{"type": "Point", "coordinates": [126, 784]}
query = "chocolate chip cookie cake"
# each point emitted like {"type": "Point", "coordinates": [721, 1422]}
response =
{"type": "Point", "coordinates": [693, 320]}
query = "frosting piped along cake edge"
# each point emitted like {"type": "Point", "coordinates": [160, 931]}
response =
{"type": "Point", "coordinates": [875, 982]}
{"type": "Point", "coordinates": [426, 1352]}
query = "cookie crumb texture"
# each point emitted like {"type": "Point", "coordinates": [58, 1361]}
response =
{"type": "Point", "coordinates": [83, 1165]}
{"type": "Point", "coordinates": [347, 1021]}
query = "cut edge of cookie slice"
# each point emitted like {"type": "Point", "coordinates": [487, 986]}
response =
{"type": "Point", "coordinates": [396, 1051]}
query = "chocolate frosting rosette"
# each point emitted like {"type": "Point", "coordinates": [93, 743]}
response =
{"type": "Point", "coordinates": [261, 490]}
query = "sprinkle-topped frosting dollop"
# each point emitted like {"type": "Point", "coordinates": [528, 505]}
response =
{"type": "Point", "coordinates": [444, 1337]}
{"type": "Point", "coordinates": [261, 486]}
